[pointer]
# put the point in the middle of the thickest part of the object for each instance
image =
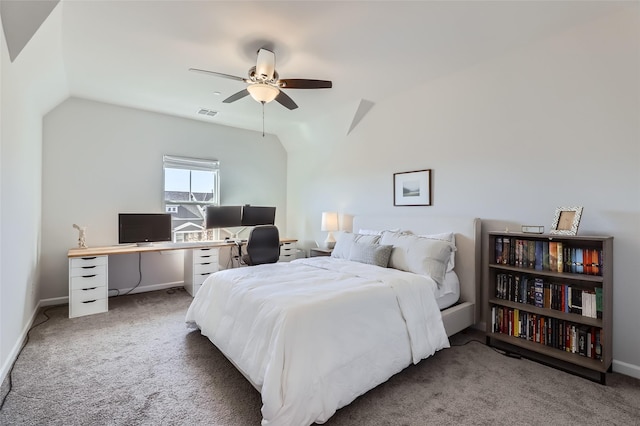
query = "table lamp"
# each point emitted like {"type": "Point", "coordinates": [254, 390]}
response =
{"type": "Point", "coordinates": [330, 224]}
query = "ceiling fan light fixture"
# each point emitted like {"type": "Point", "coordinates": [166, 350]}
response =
{"type": "Point", "coordinates": [263, 92]}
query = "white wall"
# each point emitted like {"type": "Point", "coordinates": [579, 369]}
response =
{"type": "Point", "coordinates": [555, 123]}
{"type": "Point", "coordinates": [31, 85]}
{"type": "Point", "coordinates": [100, 159]}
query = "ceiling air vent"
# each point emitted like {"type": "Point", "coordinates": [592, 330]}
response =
{"type": "Point", "coordinates": [209, 112]}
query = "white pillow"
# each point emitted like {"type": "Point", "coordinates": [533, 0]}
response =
{"type": "Point", "coordinates": [423, 256]}
{"type": "Point", "coordinates": [373, 254]}
{"type": "Point", "coordinates": [346, 239]}
{"type": "Point", "coordinates": [449, 237]}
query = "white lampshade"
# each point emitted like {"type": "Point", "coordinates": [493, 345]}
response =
{"type": "Point", "coordinates": [330, 224]}
{"type": "Point", "coordinates": [263, 92]}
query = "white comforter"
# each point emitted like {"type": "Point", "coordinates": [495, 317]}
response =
{"type": "Point", "coordinates": [314, 334]}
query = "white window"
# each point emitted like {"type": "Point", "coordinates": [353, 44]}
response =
{"type": "Point", "coordinates": [190, 185]}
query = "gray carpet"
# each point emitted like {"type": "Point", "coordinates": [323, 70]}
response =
{"type": "Point", "coordinates": [139, 364]}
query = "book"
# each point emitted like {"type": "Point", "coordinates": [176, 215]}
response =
{"type": "Point", "coordinates": [506, 251]}
{"type": "Point", "coordinates": [588, 269]}
{"type": "Point", "coordinates": [531, 254]}
{"type": "Point", "coordinates": [539, 292]}
{"type": "Point", "coordinates": [578, 260]}
{"type": "Point", "coordinates": [545, 255]}
{"type": "Point", "coordinates": [576, 301]}
{"type": "Point", "coordinates": [519, 253]}
{"type": "Point", "coordinates": [596, 263]}
{"type": "Point", "coordinates": [499, 250]}
{"type": "Point", "coordinates": [493, 318]}
{"type": "Point", "coordinates": [547, 295]}
{"type": "Point", "coordinates": [582, 341]}
{"type": "Point", "coordinates": [559, 260]}
{"type": "Point", "coordinates": [538, 255]}
{"type": "Point", "coordinates": [598, 345]}
{"type": "Point", "coordinates": [553, 256]}
{"type": "Point", "coordinates": [599, 302]}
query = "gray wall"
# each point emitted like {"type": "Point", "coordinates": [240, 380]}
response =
{"type": "Point", "coordinates": [30, 86]}
{"type": "Point", "coordinates": [100, 159]}
{"type": "Point", "coordinates": [555, 123]}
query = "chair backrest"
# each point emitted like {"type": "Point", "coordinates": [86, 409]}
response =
{"type": "Point", "coordinates": [263, 245]}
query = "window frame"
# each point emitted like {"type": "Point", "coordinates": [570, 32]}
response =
{"type": "Point", "coordinates": [191, 164]}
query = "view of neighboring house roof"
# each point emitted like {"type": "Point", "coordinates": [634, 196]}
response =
{"type": "Point", "coordinates": [189, 227]}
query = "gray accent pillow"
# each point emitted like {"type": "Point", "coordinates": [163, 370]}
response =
{"type": "Point", "coordinates": [373, 254]}
{"type": "Point", "coordinates": [346, 239]}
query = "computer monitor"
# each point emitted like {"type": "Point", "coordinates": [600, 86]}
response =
{"type": "Point", "coordinates": [143, 228]}
{"type": "Point", "coordinates": [254, 215]}
{"type": "Point", "coordinates": [223, 216]}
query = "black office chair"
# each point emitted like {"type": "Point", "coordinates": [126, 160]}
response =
{"type": "Point", "coordinates": [263, 245]}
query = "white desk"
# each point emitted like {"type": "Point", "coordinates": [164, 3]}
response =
{"type": "Point", "coordinates": [88, 269]}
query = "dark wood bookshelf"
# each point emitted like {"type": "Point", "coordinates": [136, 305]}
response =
{"type": "Point", "coordinates": [589, 367]}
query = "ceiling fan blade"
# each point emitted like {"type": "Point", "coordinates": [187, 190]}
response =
{"type": "Point", "coordinates": [266, 64]}
{"type": "Point", "coordinates": [241, 94]}
{"type": "Point", "coordinates": [285, 100]}
{"type": "Point", "coordinates": [218, 74]}
{"type": "Point", "coordinates": [301, 83]}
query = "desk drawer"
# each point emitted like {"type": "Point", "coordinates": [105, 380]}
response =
{"type": "Point", "coordinates": [79, 262]}
{"type": "Point", "coordinates": [199, 278]}
{"type": "Point", "coordinates": [205, 268]}
{"type": "Point", "coordinates": [88, 294]}
{"type": "Point", "coordinates": [288, 252]}
{"type": "Point", "coordinates": [198, 265]}
{"type": "Point", "coordinates": [205, 255]}
{"type": "Point", "coordinates": [78, 309]}
{"type": "Point", "coordinates": [88, 271]}
{"type": "Point", "coordinates": [88, 281]}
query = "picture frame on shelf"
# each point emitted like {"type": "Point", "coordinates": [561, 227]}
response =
{"type": "Point", "coordinates": [566, 221]}
{"type": "Point", "coordinates": [412, 188]}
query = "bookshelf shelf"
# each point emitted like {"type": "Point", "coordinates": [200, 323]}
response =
{"type": "Point", "coordinates": [550, 299]}
{"type": "Point", "coordinates": [542, 273]}
{"type": "Point", "coordinates": [551, 313]}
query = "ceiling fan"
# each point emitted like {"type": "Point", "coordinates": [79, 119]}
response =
{"type": "Point", "coordinates": [264, 84]}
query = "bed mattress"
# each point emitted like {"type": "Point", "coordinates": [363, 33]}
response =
{"type": "Point", "coordinates": [314, 334]}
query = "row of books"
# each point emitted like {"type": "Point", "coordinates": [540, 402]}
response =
{"type": "Point", "coordinates": [556, 333]}
{"type": "Point", "coordinates": [535, 291]}
{"type": "Point", "coordinates": [545, 255]}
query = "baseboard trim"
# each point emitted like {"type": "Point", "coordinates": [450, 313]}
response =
{"type": "Point", "coordinates": [626, 369]}
{"type": "Point", "coordinates": [15, 351]}
{"type": "Point", "coordinates": [54, 301]}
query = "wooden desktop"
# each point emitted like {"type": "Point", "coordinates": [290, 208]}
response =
{"type": "Point", "coordinates": [88, 269]}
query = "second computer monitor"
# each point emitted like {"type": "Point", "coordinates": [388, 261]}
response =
{"type": "Point", "coordinates": [224, 216]}
{"type": "Point", "coordinates": [254, 215]}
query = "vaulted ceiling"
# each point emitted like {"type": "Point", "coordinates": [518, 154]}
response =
{"type": "Point", "coordinates": [137, 53]}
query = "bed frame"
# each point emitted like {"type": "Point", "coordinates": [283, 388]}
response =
{"type": "Point", "coordinates": [466, 312]}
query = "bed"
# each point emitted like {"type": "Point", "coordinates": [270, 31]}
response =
{"type": "Point", "coordinates": [313, 334]}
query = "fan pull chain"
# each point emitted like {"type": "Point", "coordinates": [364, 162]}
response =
{"type": "Point", "coordinates": [262, 119]}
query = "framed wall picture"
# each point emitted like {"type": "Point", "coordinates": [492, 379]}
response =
{"type": "Point", "coordinates": [566, 221]}
{"type": "Point", "coordinates": [412, 188]}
